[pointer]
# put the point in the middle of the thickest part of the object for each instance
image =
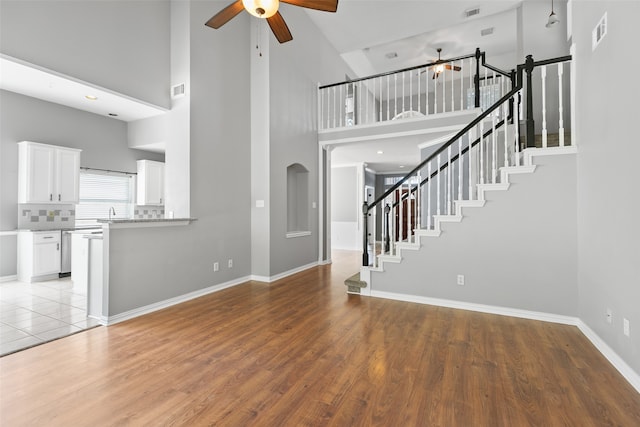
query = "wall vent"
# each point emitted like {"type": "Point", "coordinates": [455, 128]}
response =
{"type": "Point", "coordinates": [599, 32]}
{"type": "Point", "coordinates": [486, 31]}
{"type": "Point", "coordinates": [472, 12]}
{"type": "Point", "coordinates": [177, 90]}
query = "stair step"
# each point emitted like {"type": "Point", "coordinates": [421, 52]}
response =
{"type": "Point", "coordinates": [428, 233]}
{"type": "Point", "coordinates": [354, 282]}
{"type": "Point", "coordinates": [482, 188]}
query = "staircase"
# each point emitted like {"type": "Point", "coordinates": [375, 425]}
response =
{"type": "Point", "coordinates": [482, 159]}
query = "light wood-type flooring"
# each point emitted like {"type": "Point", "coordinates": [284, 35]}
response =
{"type": "Point", "coordinates": [301, 352]}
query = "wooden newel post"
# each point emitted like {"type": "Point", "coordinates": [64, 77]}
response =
{"type": "Point", "coordinates": [365, 226]}
{"type": "Point", "coordinates": [476, 79]}
{"type": "Point", "coordinates": [530, 124]}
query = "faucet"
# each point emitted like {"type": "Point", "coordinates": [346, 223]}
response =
{"type": "Point", "coordinates": [111, 210]}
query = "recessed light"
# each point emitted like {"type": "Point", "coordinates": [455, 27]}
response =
{"type": "Point", "coordinates": [113, 114]}
{"type": "Point", "coordinates": [401, 166]}
{"type": "Point", "coordinates": [91, 97]}
{"type": "Point", "coordinates": [380, 152]}
{"type": "Point", "coordinates": [391, 55]}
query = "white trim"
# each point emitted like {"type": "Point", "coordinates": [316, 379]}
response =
{"type": "Point", "coordinates": [12, 278]}
{"type": "Point", "coordinates": [627, 372]}
{"type": "Point", "coordinates": [482, 308]}
{"type": "Point", "coordinates": [136, 312]}
{"type": "Point", "coordinates": [8, 233]}
{"type": "Point", "coordinates": [284, 274]}
{"type": "Point", "coordinates": [325, 262]}
{"type": "Point", "coordinates": [292, 234]}
{"type": "Point", "coordinates": [375, 137]}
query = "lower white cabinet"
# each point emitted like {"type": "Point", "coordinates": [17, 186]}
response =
{"type": "Point", "coordinates": [38, 255]}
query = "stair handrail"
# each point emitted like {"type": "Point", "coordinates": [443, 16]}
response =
{"type": "Point", "coordinates": [517, 78]}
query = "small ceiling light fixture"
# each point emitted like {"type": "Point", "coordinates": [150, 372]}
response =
{"type": "Point", "coordinates": [391, 55]}
{"type": "Point", "coordinates": [113, 114]}
{"type": "Point", "coordinates": [261, 8]}
{"type": "Point", "coordinates": [91, 97]}
{"type": "Point", "coordinates": [380, 152]}
{"type": "Point", "coordinates": [553, 19]}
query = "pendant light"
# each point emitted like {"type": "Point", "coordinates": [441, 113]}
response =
{"type": "Point", "coordinates": [553, 19]}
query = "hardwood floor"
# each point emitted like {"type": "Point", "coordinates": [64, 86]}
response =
{"type": "Point", "coordinates": [301, 352]}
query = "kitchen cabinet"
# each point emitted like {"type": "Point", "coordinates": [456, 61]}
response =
{"type": "Point", "coordinates": [38, 255]}
{"type": "Point", "coordinates": [48, 173]}
{"type": "Point", "coordinates": [150, 187]}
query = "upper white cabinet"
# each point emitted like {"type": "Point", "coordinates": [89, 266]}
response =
{"type": "Point", "coordinates": [48, 173]}
{"type": "Point", "coordinates": [150, 182]}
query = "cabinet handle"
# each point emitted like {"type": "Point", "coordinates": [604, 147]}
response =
{"type": "Point", "coordinates": [48, 237]}
{"type": "Point", "coordinates": [160, 200]}
{"type": "Point", "coordinates": [59, 197]}
{"type": "Point", "coordinates": [50, 197]}
{"type": "Point", "coordinates": [57, 246]}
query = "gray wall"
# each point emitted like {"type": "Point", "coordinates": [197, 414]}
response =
{"type": "Point", "coordinates": [608, 176]}
{"type": "Point", "coordinates": [295, 69]}
{"type": "Point", "coordinates": [122, 45]}
{"type": "Point", "coordinates": [103, 142]}
{"type": "Point", "coordinates": [518, 251]}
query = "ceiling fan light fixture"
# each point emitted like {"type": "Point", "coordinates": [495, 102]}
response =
{"type": "Point", "coordinates": [438, 68]}
{"type": "Point", "coordinates": [261, 8]}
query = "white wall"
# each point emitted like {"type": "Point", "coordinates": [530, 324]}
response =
{"type": "Point", "coordinates": [345, 233]}
{"type": "Point", "coordinates": [608, 176]}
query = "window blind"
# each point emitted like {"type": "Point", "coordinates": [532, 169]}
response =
{"type": "Point", "coordinates": [101, 192]}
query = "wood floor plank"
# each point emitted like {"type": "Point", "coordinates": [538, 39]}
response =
{"type": "Point", "coordinates": [302, 352]}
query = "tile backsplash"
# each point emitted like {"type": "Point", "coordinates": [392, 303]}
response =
{"type": "Point", "coordinates": [148, 212]}
{"type": "Point", "coordinates": [46, 217]}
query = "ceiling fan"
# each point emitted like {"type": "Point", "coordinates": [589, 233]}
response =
{"type": "Point", "coordinates": [268, 9]}
{"type": "Point", "coordinates": [439, 68]}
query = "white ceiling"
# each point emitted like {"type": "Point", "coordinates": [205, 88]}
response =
{"type": "Point", "coordinates": [38, 82]}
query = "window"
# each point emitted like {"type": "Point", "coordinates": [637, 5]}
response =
{"type": "Point", "coordinates": [599, 32]}
{"type": "Point", "coordinates": [99, 192]}
{"type": "Point", "coordinates": [297, 201]}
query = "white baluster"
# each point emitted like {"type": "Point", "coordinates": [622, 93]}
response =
{"type": "Point", "coordinates": [373, 239]}
{"type": "Point", "coordinates": [388, 97]}
{"type": "Point", "coordinates": [419, 104]}
{"type": "Point", "coordinates": [471, 85]}
{"type": "Point", "coordinates": [481, 152]}
{"type": "Point", "coordinates": [505, 128]}
{"type": "Point", "coordinates": [426, 90]}
{"type": "Point", "coordinates": [410, 91]}
{"type": "Point", "coordinates": [395, 95]}
{"type": "Point", "coordinates": [401, 208]}
{"type": "Point", "coordinates": [444, 91]}
{"type": "Point", "coordinates": [460, 166]}
{"type": "Point", "coordinates": [418, 201]}
{"type": "Point", "coordinates": [435, 95]}
{"type": "Point", "coordinates": [516, 110]}
{"type": "Point", "coordinates": [560, 106]}
{"type": "Point", "coordinates": [543, 72]}
{"type": "Point", "coordinates": [494, 149]}
{"type": "Point", "coordinates": [449, 181]}
{"type": "Point", "coordinates": [380, 98]}
{"type": "Point", "coordinates": [403, 96]}
{"type": "Point", "coordinates": [429, 196]}
{"type": "Point", "coordinates": [438, 185]}
{"type": "Point", "coordinates": [469, 161]}
{"type": "Point", "coordinates": [462, 85]}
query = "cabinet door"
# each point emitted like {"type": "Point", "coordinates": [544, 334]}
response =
{"type": "Point", "coordinates": [40, 173]}
{"type": "Point", "coordinates": [46, 258]}
{"type": "Point", "coordinates": [155, 183]}
{"type": "Point", "coordinates": [67, 176]}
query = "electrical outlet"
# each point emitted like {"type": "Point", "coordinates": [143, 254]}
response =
{"type": "Point", "coordinates": [460, 279]}
{"type": "Point", "coordinates": [230, 263]}
{"type": "Point", "coordinates": [625, 326]}
{"type": "Point", "coordinates": [609, 316]}
{"type": "Point", "coordinates": [216, 266]}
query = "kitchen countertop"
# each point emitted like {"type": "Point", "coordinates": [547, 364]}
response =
{"type": "Point", "coordinates": [133, 223]}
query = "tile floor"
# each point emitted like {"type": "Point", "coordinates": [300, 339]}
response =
{"type": "Point", "coordinates": [34, 313]}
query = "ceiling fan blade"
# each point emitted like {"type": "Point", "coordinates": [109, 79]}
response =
{"type": "Point", "coordinates": [279, 28]}
{"type": "Point", "coordinates": [225, 15]}
{"type": "Point", "coordinates": [452, 67]}
{"type": "Point", "coordinates": [324, 5]}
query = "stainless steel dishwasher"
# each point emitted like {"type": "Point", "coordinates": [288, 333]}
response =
{"type": "Point", "coordinates": [65, 254]}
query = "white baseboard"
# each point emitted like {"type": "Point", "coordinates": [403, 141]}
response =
{"type": "Point", "coordinates": [110, 320]}
{"type": "Point", "coordinates": [621, 366]}
{"type": "Point", "coordinates": [284, 274]}
{"type": "Point", "coordinates": [627, 372]}
{"type": "Point", "coordinates": [9, 278]}
{"type": "Point", "coordinates": [490, 309]}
